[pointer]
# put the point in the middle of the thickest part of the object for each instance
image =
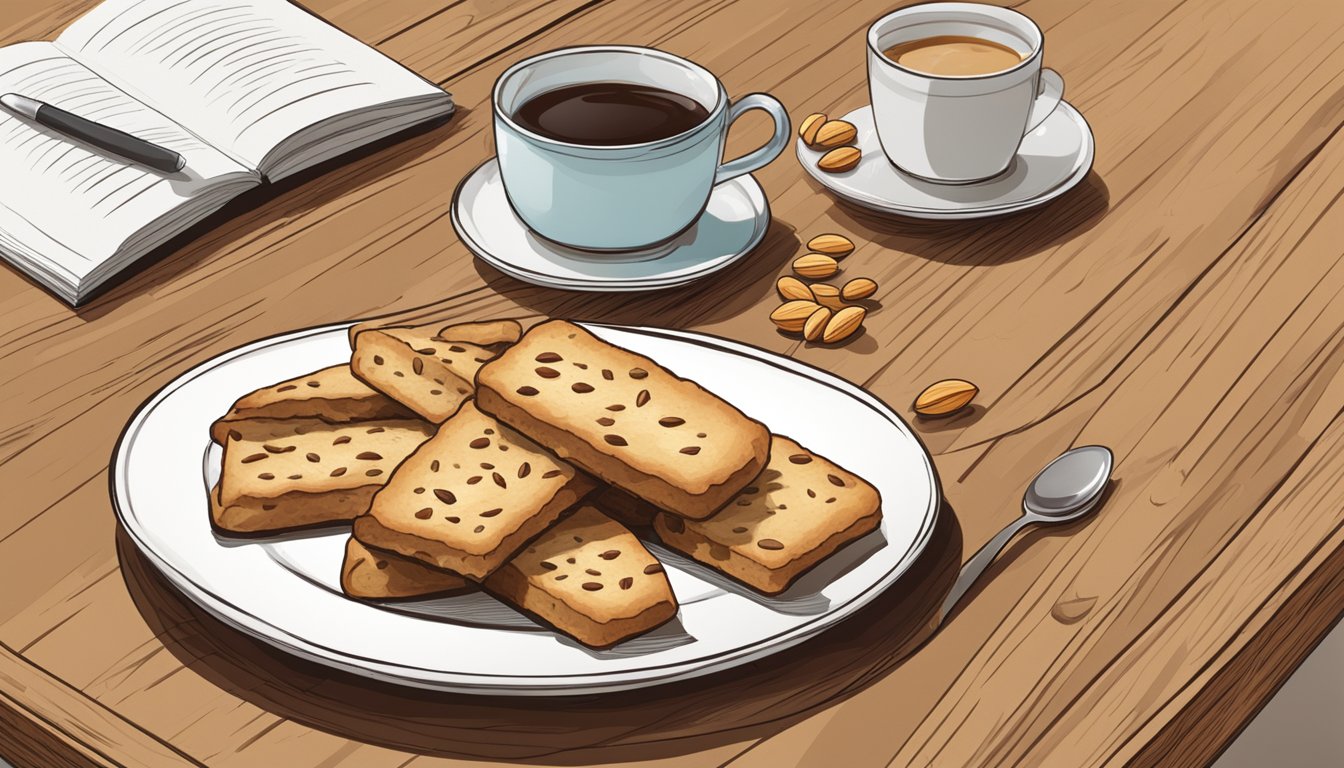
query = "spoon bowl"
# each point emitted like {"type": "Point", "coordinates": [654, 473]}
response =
{"type": "Point", "coordinates": [1070, 485]}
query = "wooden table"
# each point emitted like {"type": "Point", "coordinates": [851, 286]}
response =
{"type": "Point", "coordinates": [1180, 306]}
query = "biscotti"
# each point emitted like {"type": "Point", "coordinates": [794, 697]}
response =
{"type": "Point", "coordinates": [632, 512]}
{"type": "Point", "coordinates": [799, 511]}
{"type": "Point", "coordinates": [483, 333]}
{"type": "Point", "coordinates": [590, 578]}
{"type": "Point", "coordinates": [471, 496]}
{"type": "Point", "coordinates": [332, 395]}
{"type": "Point", "coordinates": [370, 574]}
{"type": "Point", "coordinates": [280, 475]}
{"type": "Point", "coordinates": [430, 376]}
{"type": "Point", "coordinates": [624, 419]}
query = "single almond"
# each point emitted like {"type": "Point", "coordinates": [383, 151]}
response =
{"type": "Point", "coordinates": [792, 289]}
{"type": "Point", "coordinates": [946, 397]}
{"type": "Point", "coordinates": [835, 133]}
{"type": "Point", "coordinates": [792, 315]}
{"type": "Point", "coordinates": [816, 324]}
{"type": "Point", "coordinates": [837, 246]}
{"type": "Point", "coordinates": [815, 266]}
{"type": "Point", "coordinates": [858, 288]}
{"type": "Point", "coordinates": [827, 295]}
{"type": "Point", "coordinates": [843, 324]}
{"type": "Point", "coordinates": [807, 131]}
{"type": "Point", "coordinates": [840, 160]}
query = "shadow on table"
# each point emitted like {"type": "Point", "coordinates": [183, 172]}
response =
{"type": "Point", "coordinates": [750, 702]}
{"type": "Point", "coordinates": [989, 241]}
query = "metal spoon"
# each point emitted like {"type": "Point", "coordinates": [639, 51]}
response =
{"type": "Point", "coordinates": [1065, 490]}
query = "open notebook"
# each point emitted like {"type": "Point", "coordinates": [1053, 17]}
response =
{"type": "Point", "coordinates": [244, 90]}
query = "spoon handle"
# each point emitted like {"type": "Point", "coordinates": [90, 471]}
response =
{"type": "Point", "coordinates": [971, 571]}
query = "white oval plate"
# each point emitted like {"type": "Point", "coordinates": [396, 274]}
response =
{"type": "Point", "coordinates": [285, 590]}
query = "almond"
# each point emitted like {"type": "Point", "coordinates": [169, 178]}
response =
{"type": "Point", "coordinates": [816, 266]}
{"type": "Point", "coordinates": [835, 133]}
{"type": "Point", "coordinates": [816, 324]}
{"type": "Point", "coordinates": [858, 288]}
{"type": "Point", "coordinates": [843, 324]}
{"type": "Point", "coordinates": [807, 130]}
{"type": "Point", "coordinates": [827, 296]}
{"type": "Point", "coordinates": [946, 397]}
{"type": "Point", "coordinates": [792, 289]}
{"type": "Point", "coordinates": [840, 160]}
{"type": "Point", "coordinates": [837, 246]}
{"type": "Point", "coordinates": [792, 315]}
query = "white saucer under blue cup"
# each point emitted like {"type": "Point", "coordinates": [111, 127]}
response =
{"type": "Point", "coordinates": [732, 224]}
{"type": "Point", "coordinates": [1051, 160]}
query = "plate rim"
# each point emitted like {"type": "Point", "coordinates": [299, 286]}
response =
{"type": "Point", "coordinates": [522, 685]}
{"type": "Point", "coordinates": [761, 227]}
{"type": "Point", "coordinates": [1084, 166]}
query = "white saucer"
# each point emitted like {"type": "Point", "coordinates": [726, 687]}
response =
{"type": "Point", "coordinates": [731, 226]}
{"type": "Point", "coordinates": [1052, 159]}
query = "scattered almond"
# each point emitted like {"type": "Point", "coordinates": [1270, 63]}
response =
{"type": "Point", "coordinates": [791, 289]}
{"type": "Point", "coordinates": [840, 160]}
{"type": "Point", "coordinates": [858, 288]}
{"type": "Point", "coordinates": [945, 397]}
{"type": "Point", "coordinates": [807, 131]}
{"type": "Point", "coordinates": [816, 266]}
{"type": "Point", "coordinates": [835, 246]}
{"type": "Point", "coordinates": [835, 133]}
{"type": "Point", "coordinates": [827, 296]}
{"type": "Point", "coordinates": [792, 315]}
{"type": "Point", "coordinates": [843, 324]}
{"type": "Point", "coordinates": [816, 324]}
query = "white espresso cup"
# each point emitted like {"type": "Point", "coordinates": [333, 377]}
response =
{"type": "Point", "coordinates": [958, 130]}
{"type": "Point", "coordinates": [622, 197]}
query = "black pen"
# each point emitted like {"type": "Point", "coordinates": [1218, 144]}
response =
{"type": "Point", "coordinates": [101, 136]}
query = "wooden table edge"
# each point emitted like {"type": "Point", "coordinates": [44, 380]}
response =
{"type": "Point", "coordinates": [46, 720]}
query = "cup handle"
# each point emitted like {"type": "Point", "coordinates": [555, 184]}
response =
{"type": "Point", "coordinates": [762, 156]}
{"type": "Point", "coordinates": [1048, 96]}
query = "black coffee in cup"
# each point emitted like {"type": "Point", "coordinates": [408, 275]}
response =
{"type": "Point", "coordinates": [609, 114]}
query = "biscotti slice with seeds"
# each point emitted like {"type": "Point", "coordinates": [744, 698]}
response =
{"type": "Point", "coordinates": [799, 511]}
{"type": "Point", "coordinates": [332, 395]}
{"type": "Point", "coordinates": [483, 333]}
{"type": "Point", "coordinates": [590, 578]}
{"type": "Point", "coordinates": [624, 418]}
{"type": "Point", "coordinates": [279, 475]}
{"type": "Point", "coordinates": [470, 497]}
{"type": "Point", "coordinates": [370, 574]}
{"type": "Point", "coordinates": [428, 375]}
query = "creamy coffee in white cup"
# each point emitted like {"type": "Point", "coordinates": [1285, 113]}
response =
{"type": "Point", "coordinates": [619, 196]}
{"type": "Point", "coordinates": [958, 128]}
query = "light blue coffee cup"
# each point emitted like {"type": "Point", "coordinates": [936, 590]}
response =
{"type": "Point", "coordinates": [625, 197]}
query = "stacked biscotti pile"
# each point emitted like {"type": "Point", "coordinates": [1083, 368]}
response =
{"type": "Point", "coordinates": [474, 456]}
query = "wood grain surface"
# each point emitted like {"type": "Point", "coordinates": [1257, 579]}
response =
{"type": "Point", "coordinates": [1180, 306]}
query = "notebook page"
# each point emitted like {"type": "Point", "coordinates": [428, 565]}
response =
{"type": "Point", "coordinates": [74, 204]}
{"type": "Point", "coordinates": [246, 75]}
